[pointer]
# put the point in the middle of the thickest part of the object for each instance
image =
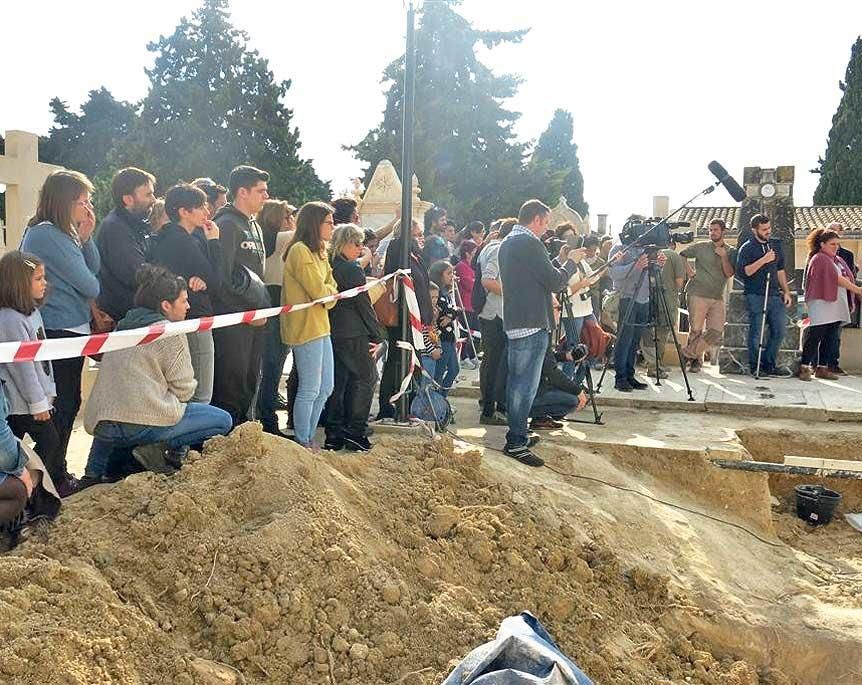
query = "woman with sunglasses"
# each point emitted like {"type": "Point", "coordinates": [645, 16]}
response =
{"type": "Point", "coordinates": [60, 235]}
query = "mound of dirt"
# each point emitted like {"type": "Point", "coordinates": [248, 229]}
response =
{"type": "Point", "coordinates": [262, 563]}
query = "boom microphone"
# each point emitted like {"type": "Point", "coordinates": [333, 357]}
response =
{"type": "Point", "coordinates": [732, 187]}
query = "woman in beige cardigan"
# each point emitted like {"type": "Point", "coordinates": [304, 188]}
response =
{"type": "Point", "coordinates": [308, 277]}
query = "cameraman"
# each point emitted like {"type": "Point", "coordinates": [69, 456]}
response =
{"type": "Point", "coordinates": [528, 281]}
{"type": "Point", "coordinates": [628, 264]}
{"type": "Point", "coordinates": [672, 277]}
{"type": "Point", "coordinates": [757, 258]}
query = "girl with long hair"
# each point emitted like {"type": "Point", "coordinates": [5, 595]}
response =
{"type": "Point", "coordinates": [308, 277]}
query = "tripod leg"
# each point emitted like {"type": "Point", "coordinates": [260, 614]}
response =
{"type": "Point", "coordinates": [762, 326]}
{"type": "Point", "coordinates": [656, 297]}
{"type": "Point", "coordinates": [676, 345]}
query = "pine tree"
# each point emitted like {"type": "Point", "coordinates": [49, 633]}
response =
{"type": "Point", "coordinates": [213, 104]}
{"type": "Point", "coordinates": [83, 142]}
{"type": "Point", "coordinates": [555, 163]}
{"type": "Point", "coordinates": [841, 168]}
{"type": "Point", "coordinates": [465, 151]}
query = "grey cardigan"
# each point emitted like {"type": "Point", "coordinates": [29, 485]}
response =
{"type": "Point", "coordinates": [529, 278]}
{"type": "Point", "coordinates": [29, 386]}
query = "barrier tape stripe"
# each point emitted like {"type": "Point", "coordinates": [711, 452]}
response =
{"type": "Point", "coordinates": [81, 346]}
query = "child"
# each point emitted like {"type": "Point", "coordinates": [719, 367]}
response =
{"type": "Point", "coordinates": [432, 352]}
{"type": "Point", "coordinates": [442, 274]}
{"type": "Point", "coordinates": [29, 386]}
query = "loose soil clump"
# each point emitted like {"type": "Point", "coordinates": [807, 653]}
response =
{"type": "Point", "coordinates": [263, 563]}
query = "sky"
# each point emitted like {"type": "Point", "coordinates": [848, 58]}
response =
{"type": "Point", "coordinates": [657, 90]}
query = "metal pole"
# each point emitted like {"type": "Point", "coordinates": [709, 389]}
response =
{"type": "Point", "coordinates": [406, 194]}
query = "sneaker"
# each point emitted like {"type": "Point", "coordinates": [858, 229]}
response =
{"type": "Point", "coordinates": [623, 387]}
{"type": "Point", "coordinates": [276, 431]}
{"type": "Point", "coordinates": [494, 420]}
{"type": "Point", "coordinates": [545, 423]}
{"type": "Point", "coordinates": [695, 365]}
{"type": "Point", "coordinates": [636, 384]}
{"type": "Point", "coordinates": [825, 373]}
{"type": "Point", "coordinates": [469, 364]}
{"type": "Point", "coordinates": [152, 457]}
{"type": "Point", "coordinates": [780, 372]}
{"type": "Point", "coordinates": [67, 487]}
{"type": "Point", "coordinates": [333, 444]}
{"type": "Point", "coordinates": [838, 371]}
{"type": "Point", "coordinates": [357, 443]}
{"type": "Point", "coordinates": [176, 456]}
{"type": "Point", "coordinates": [523, 454]}
{"type": "Point", "coordinates": [805, 372]}
{"type": "Point", "coordinates": [533, 440]}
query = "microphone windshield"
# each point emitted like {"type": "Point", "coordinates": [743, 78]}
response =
{"type": "Point", "coordinates": [732, 187]}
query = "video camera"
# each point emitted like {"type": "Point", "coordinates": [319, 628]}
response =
{"type": "Point", "coordinates": [654, 232]}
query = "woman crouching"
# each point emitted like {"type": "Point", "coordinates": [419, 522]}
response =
{"type": "Point", "coordinates": [355, 335]}
{"type": "Point", "coordinates": [141, 396]}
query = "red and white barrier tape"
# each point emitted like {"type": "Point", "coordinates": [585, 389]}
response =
{"type": "Point", "coordinates": [82, 346]}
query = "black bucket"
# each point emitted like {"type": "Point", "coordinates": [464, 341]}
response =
{"type": "Point", "coordinates": [816, 504]}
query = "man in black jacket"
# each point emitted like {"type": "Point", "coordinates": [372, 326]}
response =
{"type": "Point", "coordinates": [558, 394]}
{"type": "Point", "coordinates": [239, 349]}
{"type": "Point", "coordinates": [123, 239]}
{"type": "Point", "coordinates": [528, 279]}
{"type": "Point", "coordinates": [189, 246]}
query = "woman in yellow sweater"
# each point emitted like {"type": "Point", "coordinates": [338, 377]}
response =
{"type": "Point", "coordinates": [308, 277]}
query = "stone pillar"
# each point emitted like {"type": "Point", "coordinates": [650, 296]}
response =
{"type": "Point", "coordinates": [602, 226]}
{"type": "Point", "coordinates": [660, 205]}
{"type": "Point", "coordinates": [23, 174]}
{"type": "Point", "coordinates": [770, 192]}
{"type": "Point", "coordinates": [383, 196]}
{"type": "Point", "coordinates": [563, 213]}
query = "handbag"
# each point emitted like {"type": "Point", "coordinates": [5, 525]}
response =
{"type": "Point", "coordinates": [386, 307]}
{"type": "Point", "coordinates": [595, 338]}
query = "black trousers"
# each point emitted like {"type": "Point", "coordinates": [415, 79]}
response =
{"type": "Point", "coordinates": [820, 342]}
{"type": "Point", "coordinates": [238, 356]}
{"type": "Point", "coordinates": [67, 404]}
{"type": "Point", "coordinates": [350, 402]}
{"type": "Point", "coordinates": [389, 382]}
{"type": "Point", "coordinates": [47, 439]}
{"type": "Point", "coordinates": [493, 369]}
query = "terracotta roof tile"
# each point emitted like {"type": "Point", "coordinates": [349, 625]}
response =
{"type": "Point", "coordinates": [809, 218]}
{"type": "Point", "coordinates": [699, 217]}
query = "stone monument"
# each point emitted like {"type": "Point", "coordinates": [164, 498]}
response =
{"type": "Point", "coordinates": [770, 192]}
{"type": "Point", "coordinates": [563, 213]}
{"type": "Point", "coordinates": [23, 174]}
{"type": "Point", "coordinates": [383, 197]}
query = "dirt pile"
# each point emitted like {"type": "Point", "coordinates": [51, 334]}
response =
{"type": "Point", "coordinates": [262, 563]}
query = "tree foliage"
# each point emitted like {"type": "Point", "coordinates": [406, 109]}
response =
{"type": "Point", "coordinates": [465, 150]}
{"type": "Point", "coordinates": [212, 104]}
{"type": "Point", "coordinates": [841, 168]}
{"type": "Point", "coordinates": [555, 163]}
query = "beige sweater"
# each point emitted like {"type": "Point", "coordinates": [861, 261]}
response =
{"type": "Point", "coordinates": [147, 385]}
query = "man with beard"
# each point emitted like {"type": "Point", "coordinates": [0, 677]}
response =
{"type": "Point", "coordinates": [714, 263]}
{"type": "Point", "coordinates": [123, 238]}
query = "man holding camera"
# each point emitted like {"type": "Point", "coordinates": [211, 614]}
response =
{"type": "Point", "coordinates": [714, 263]}
{"type": "Point", "coordinates": [626, 269]}
{"type": "Point", "coordinates": [528, 282]}
{"type": "Point", "coordinates": [760, 266]}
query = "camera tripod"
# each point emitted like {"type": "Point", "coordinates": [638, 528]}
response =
{"type": "Point", "coordinates": [657, 306]}
{"type": "Point", "coordinates": [566, 303]}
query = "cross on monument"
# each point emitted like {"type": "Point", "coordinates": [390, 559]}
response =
{"type": "Point", "coordinates": [23, 174]}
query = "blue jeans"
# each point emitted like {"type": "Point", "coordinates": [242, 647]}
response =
{"type": "Point", "coordinates": [573, 327]}
{"type": "Point", "coordinates": [199, 422]}
{"type": "Point", "coordinates": [525, 357]}
{"type": "Point", "coordinates": [315, 367]}
{"type": "Point", "coordinates": [429, 365]}
{"type": "Point", "coordinates": [12, 457]}
{"type": "Point", "coordinates": [272, 367]}
{"type": "Point", "coordinates": [628, 337]}
{"type": "Point", "coordinates": [447, 367]}
{"type": "Point", "coordinates": [553, 402]}
{"type": "Point", "coordinates": [776, 321]}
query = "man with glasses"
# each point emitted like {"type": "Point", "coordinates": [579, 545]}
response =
{"type": "Point", "coordinates": [123, 238]}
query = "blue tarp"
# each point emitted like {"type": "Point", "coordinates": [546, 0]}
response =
{"type": "Point", "coordinates": [523, 653]}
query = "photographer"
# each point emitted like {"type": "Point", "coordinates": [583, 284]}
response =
{"type": "Point", "coordinates": [558, 394]}
{"type": "Point", "coordinates": [714, 263]}
{"type": "Point", "coordinates": [529, 280]}
{"type": "Point", "coordinates": [761, 262]}
{"type": "Point", "coordinates": [626, 270]}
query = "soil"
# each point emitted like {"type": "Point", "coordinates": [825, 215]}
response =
{"type": "Point", "coordinates": [263, 563]}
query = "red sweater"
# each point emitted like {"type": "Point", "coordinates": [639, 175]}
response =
{"type": "Point", "coordinates": [465, 275]}
{"type": "Point", "coordinates": [821, 282]}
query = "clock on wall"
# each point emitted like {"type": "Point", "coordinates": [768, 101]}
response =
{"type": "Point", "coordinates": [767, 190]}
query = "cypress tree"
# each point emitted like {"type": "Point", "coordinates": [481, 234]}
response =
{"type": "Point", "coordinates": [840, 168]}
{"type": "Point", "coordinates": [555, 163]}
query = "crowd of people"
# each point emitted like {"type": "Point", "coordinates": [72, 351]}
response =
{"type": "Point", "coordinates": [204, 249]}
